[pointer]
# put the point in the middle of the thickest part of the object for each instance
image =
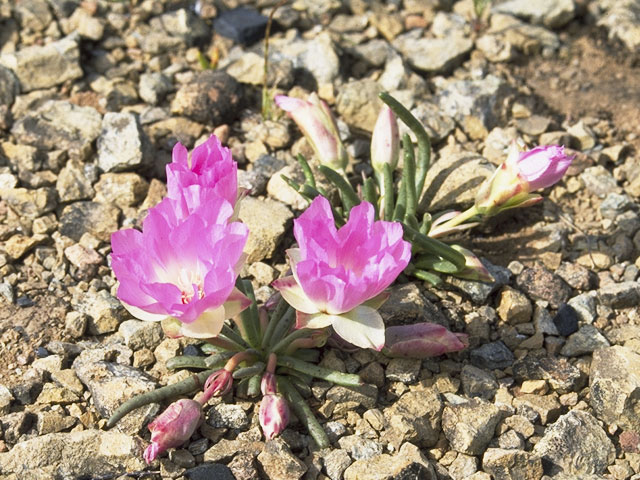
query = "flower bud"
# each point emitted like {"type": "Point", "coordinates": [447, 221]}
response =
{"type": "Point", "coordinates": [173, 427]}
{"type": "Point", "coordinates": [385, 142]}
{"type": "Point", "coordinates": [218, 383]}
{"type": "Point", "coordinates": [314, 118]}
{"type": "Point", "coordinates": [520, 174]}
{"type": "Point", "coordinates": [422, 340]}
{"type": "Point", "coordinates": [474, 269]}
{"type": "Point", "coordinates": [273, 415]}
{"type": "Point", "coordinates": [268, 384]}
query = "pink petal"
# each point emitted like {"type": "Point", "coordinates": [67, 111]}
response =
{"type": "Point", "coordinates": [315, 320]}
{"type": "Point", "coordinates": [294, 295]}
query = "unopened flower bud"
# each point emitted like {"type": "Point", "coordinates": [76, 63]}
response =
{"type": "Point", "coordinates": [421, 340]}
{"type": "Point", "coordinates": [315, 120]}
{"type": "Point", "coordinates": [268, 384]}
{"type": "Point", "coordinates": [474, 268]}
{"type": "Point", "coordinates": [273, 415]}
{"type": "Point", "coordinates": [520, 174]}
{"type": "Point", "coordinates": [385, 142]}
{"type": "Point", "coordinates": [173, 427]}
{"type": "Point", "coordinates": [218, 384]}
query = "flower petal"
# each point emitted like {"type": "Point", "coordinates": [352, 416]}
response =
{"type": "Point", "coordinates": [143, 315]}
{"type": "Point", "coordinates": [362, 326]}
{"type": "Point", "coordinates": [207, 325]}
{"type": "Point", "coordinates": [236, 303]}
{"type": "Point", "coordinates": [294, 295]}
{"type": "Point", "coordinates": [315, 320]}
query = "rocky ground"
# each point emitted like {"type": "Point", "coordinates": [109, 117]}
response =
{"type": "Point", "coordinates": [94, 94]}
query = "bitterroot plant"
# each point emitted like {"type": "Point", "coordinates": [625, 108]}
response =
{"type": "Point", "coordinates": [182, 269]}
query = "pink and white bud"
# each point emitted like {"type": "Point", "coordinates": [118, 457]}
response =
{"type": "Point", "coordinates": [219, 383]}
{"type": "Point", "coordinates": [385, 141]}
{"type": "Point", "coordinates": [268, 384]}
{"type": "Point", "coordinates": [422, 340]}
{"type": "Point", "coordinates": [173, 427]}
{"type": "Point", "coordinates": [520, 174]}
{"type": "Point", "coordinates": [315, 120]}
{"type": "Point", "coordinates": [273, 415]}
{"type": "Point", "coordinates": [474, 269]}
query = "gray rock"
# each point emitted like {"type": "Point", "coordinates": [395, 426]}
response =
{"type": "Point", "coordinates": [407, 305]}
{"type": "Point", "coordinates": [121, 145]}
{"type": "Point", "coordinates": [104, 312]}
{"type": "Point", "coordinates": [615, 385]}
{"type": "Point", "coordinates": [615, 204]}
{"type": "Point", "coordinates": [45, 66]}
{"type": "Point", "coordinates": [317, 56]}
{"type": "Point", "coordinates": [409, 463]}
{"type": "Point", "coordinates": [111, 384]}
{"type": "Point", "coordinates": [74, 182]}
{"type": "Point", "coordinates": [405, 370]}
{"type": "Point", "coordinates": [224, 450]}
{"type": "Point", "coordinates": [620, 295]}
{"type": "Point", "coordinates": [558, 372]}
{"type": "Point", "coordinates": [586, 340]}
{"type": "Point", "coordinates": [470, 426]}
{"type": "Point", "coordinates": [226, 415]}
{"type": "Point", "coordinates": [87, 25]}
{"type": "Point", "coordinates": [279, 463]}
{"type": "Point", "coordinates": [98, 219]}
{"type": "Point", "coordinates": [433, 55]}
{"type": "Point", "coordinates": [538, 408]}
{"type": "Point", "coordinates": [599, 181]}
{"type": "Point", "coordinates": [438, 125]}
{"type": "Point", "coordinates": [483, 99]}
{"type": "Point", "coordinates": [207, 471]}
{"type": "Point", "coordinates": [335, 463]}
{"type": "Point", "coordinates": [415, 417]}
{"type": "Point", "coordinates": [375, 52]}
{"type": "Point", "coordinates": [365, 395]}
{"type": "Point", "coordinates": [9, 87]}
{"type": "Point", "coordinates": [541, 284]}
{"type": "Point", "coordinates": [121, 189]}
{"type": "Point", "coordinates": [267, 221]}
{"type": "Point", "coordinates": [622, 19]}
{"type": "Point", "coordinates": [511, 464]}
{"type": "Point", "coordinates": [560, 452]}
{"type": "Point", "coordinates": [585, 307]}
{"type": "Point", "coordinates": [33, 15]}
{"type": "Point", "coordinates": [514, 306]}
{"type": "Point", "coordinates": [182, 23]}
{"type": "Point", "coordinates": [138, 334]}
{"type": "Point", "coordinates": [494, 355]}
{"type": "Point", "coordinates": [477, 382]}
{"type": "Point", "coordinates": [360, 448]}
{"type": "Point", "coordinates": [212, 97]}
{"type": "Point", "coordinates": [59, 125]}
{"type": "Point", "coordinates": [463, 467]}
{"type": "Point", "coordinates": [153, 87]}
{"type": "Point", "coordinates": [550, 13]}
{"type": "Point", "coordinates": [358, 104]}
{"type": "Point", "coordinates": [73, 455]}
{"type": "Point", "coordinates": [86, 260]}
{"type": "Point", "coordinates": [509, 32]}
{"type": "Point", "coordinates": [249, 69]}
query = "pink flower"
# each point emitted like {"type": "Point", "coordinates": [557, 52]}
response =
{"type": "Point", "coordinates": [520, 174]}
{"type": "Point", "coordinates": [183, 265]}
{"type": "Point", "coordinates": [314, 118]}
{"type": "Point", "coordinates": [268, 384]}
{"type": "Point", "coordinates": [339, 276]}
{"type": "Point", "coordinates": [422, 340]}
{"type": "Point", "coordinates": [385, 141]}
{"type": "Point", "coordinates": [273, 415]}
{"type": "Point", "coordinates": [173, 427]}
{"type": "Point", "coordinates": [210, 165]}
{"type": "Point", "coordinates": [218, 384]}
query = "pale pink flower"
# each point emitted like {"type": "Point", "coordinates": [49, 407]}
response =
{"type": "Point", "coordinates": [173, 427]}
{"type": "Point", "coordinates": [385, 141]}
{"type": "Point", "coordinates": [339, 276]}
{"type": "Point", "coordinates": [422, 340]}
{"type": "Point", "coordinates": [522, 173]}
{"type": "Point", "coordinates": [184, 264]}
{"type": "Point", "coordinates": [210, 165]}
{"type": "Point", "coordinates": [273, 415]}
{"type": "Point", "coordinates": [316, 122]}
{"type": "Point", "coordinates": [219, 383]}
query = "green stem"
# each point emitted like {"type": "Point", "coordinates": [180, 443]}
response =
{"type": "Point", "coordinates": [232, 335]}
{"type": "Point", "coordinates": [186, 361]}
{"type": "Point", "coordinates": [255, 369]}
{"type": "Point", "coordinates": [283, 326]}
{"type": "Point", "coordinates": [432, 245]}
{"type": "Point", "coordinates": [424, 142]}
{"type": "Point", "coordinates": [253, 386]}
{"type": "Point", "coordinates": [339, 378]}
{"type": "Point", "coordinates": [219, 359]}
{"type": "Point", "coordinates": [304, 413]}
{"type": "Point", "coordinates": [309, 178]}
{"type": "Point", "coordinates": [369, 193]}
{"type": "Point", "coordinates": [409, 175]}
{"type": "Point", "coordinates": [249, 316]}
{"type": "Point", "coordinates": [277, 314]}
{"type": "Point", "coordinates": [286, 341]}
{"type": "Point", "coordinates": [458, 219]}
{"type": "Point", "coordinates": [187, 385]}
{"type": "Point", "coordinates": [225, 343]}
{"type": "Point", "coordinates": [387, 191]}
{"type": "Point", "coordinates": [428, 277]}
{"type": "Point", "coordinates": [347, 193]}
